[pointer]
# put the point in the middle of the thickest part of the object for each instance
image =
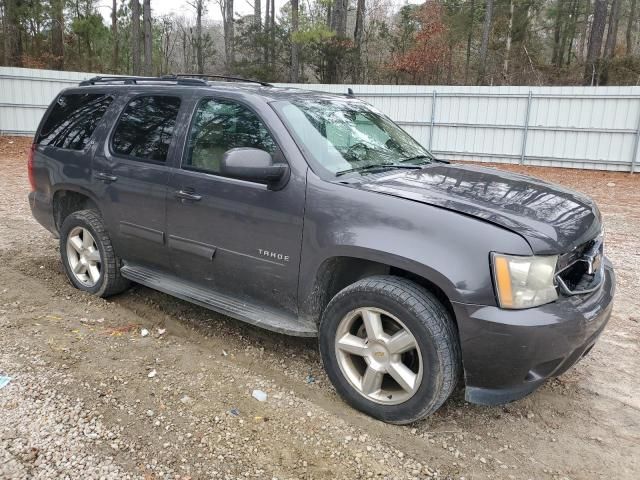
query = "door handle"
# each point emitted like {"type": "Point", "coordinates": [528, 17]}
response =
{"type": "Point", "coordinates": [184, 195]}
{"type": "Point", "coordinates": [105, 177]}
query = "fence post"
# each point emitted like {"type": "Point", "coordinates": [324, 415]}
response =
{"type": "Point", "coordinates": [433, 117]}
{"type": "Point", "coordinates": [635, 144]}
{"type": "Point", "coordinates": [526, 129]}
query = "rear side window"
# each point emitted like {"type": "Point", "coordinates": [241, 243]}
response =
{"type": "Point", "coordinates": [146, 127]}
{"type": "Point", "coordinates": [73, 119]}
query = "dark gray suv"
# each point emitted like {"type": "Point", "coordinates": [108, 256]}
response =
{"type": "Point", "coordinates": [315, 215]}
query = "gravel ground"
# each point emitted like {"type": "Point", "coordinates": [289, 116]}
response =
{"type": "Point", "coordinates": [90, 397]}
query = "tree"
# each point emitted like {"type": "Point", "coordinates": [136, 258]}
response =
{"type": "Point", "coordinates": [425, 59]}
{"type": "Point", "coordinates": [146, 22]}
{"type": "Point", "coordinates": [472, 14]}
{"type": "Point", "coordinates": [358, 32]}
{"type": "Point", "coordinates": [198, 42]}
{"type": "Point", "coordinates": [114, 37]}
{"type": "Point", "coordinates": [12, 37]}
{"type": "Point", "coordinates": [505, 67]}
{"type": "Point", "coordinates": [629, 32]}
{"type": "Point", "coordinates": [228, 26]}
{"type": "Point", "coordinates": [135, 36]}
{"type": "Point", "coordinates": [295, 65]}
{"type": "Point", "coordinates": [594, 49]}
{"type": "Point", "coordinates": [486, 30]}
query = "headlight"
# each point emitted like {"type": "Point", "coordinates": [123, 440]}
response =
{"type": "Point", "coordinates": [524, 282]}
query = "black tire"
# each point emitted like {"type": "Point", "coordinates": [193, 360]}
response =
{"type": "Point", "coordinates": [429, 322]}
{"type": "Point", "coordinates": [110, 281]}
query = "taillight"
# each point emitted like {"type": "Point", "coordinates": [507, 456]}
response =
{"type": "Point", "coordinates": [32, 179]}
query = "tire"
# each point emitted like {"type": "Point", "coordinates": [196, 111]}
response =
{"type": "Point", "coordinates": [109, 282]}
{"type": "Point", "coordinates": [435, 362]}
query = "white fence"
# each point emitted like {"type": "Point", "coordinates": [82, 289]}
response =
{"type": "Point", "coordinates": [575, 127]}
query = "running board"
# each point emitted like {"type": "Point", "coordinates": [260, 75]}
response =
{"type": "Point", "coordinates": [255, 315]}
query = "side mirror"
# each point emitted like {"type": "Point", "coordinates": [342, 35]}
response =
{"type": "Point", "coordinates": [254, 165]}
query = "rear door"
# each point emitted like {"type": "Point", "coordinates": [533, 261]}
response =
{"type": "Point", "coordinates": [131, 173]}
{"type": "Point", "coordinates": [233, 236]}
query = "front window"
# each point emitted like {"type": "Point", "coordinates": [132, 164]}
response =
{"type": "Point", "coordinates": [345, 136]}
{"type": "Point", "coordinates": [220, 125]}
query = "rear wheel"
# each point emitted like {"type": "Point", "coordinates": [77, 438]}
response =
{"type": "Point", "coordinates": [390, 348]}
{"type": "Point", "coordinates": [87, 255]}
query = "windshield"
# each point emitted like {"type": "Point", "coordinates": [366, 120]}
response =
{"type": "Point", "coordinates": [345, 136]}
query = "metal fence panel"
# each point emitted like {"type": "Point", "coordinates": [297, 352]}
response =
{"type": "Point", "coordinates": [575, 127]}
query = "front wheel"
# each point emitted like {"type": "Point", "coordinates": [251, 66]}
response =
{"type": "Point", "coordinates": [390, 349]}
{"type": "Point", "coordinates": [87, 255]}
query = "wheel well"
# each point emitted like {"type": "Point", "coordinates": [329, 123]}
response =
{"type": "Point", "coordinates": [65, 202]}
{"type": "Point", "coordinates": [340, 272]}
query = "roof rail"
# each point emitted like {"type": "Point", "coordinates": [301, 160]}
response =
{"type": "Point", "coordinates": [221, 77]}
{"type": "Point", "coordinates": [133, 80]}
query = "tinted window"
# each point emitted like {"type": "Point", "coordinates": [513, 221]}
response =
{"type": "Point", "coordinates": [73, 119]}
{"type": "Point", "coordinates": [220, 125]}
{"type": "Point", "coordinates": [145, 128]}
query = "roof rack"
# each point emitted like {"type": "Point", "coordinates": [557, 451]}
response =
{"type": "Point", "coordinates": [179, 78]}
{"type": "Point", "coordinates": [221, 77]}
{"type": "Point", "coordinates": [133, 80]}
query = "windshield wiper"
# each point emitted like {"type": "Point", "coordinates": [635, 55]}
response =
{"type": "Point", "coordinates": [418, 157]}
{"type": "Point", "coordinates": [425, 157]}
{"type": "Point", "coordinates": [379, 166]}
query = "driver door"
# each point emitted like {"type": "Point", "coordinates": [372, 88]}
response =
{"type": "Point", "coordinates": [234, 236]}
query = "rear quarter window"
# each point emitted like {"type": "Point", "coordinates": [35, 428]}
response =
{"type": "Point", "coordinates": [73, 119]}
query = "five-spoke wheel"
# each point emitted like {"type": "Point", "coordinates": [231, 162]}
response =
{"type": "Point", "coordinates": [83, 256]}
{"type": "Point", "coordinates": [378, 355]}
{"type": "Point", "coordinates": [88, 256]}
{"type": "Point", "coordinates": [390, 348]}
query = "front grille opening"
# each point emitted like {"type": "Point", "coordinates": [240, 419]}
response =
{"type": "Point", "coordinates": [576, 277]}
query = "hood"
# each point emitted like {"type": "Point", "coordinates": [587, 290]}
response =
{"type": "Point", "coordinates": [551, 218]}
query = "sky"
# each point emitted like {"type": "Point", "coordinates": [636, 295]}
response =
{"type": "Point", "coordinates": [180, 7]}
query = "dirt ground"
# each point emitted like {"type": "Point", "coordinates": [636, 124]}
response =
{"type": "Point", "coordinates": [90, 397]}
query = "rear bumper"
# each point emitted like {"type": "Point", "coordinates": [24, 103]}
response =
{"type": "Point", "coordinates": [42, 211]}
{"type": "Point", "coordinates": [507, 354]}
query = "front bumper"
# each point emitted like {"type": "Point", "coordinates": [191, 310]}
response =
{"type": "Point", "coordinates": [507, 354]}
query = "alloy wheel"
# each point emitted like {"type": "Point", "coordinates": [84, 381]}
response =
{"type": "Point", "coordinates": [379, 356]}
{"type": "Point", "coordinates": [83, 256]}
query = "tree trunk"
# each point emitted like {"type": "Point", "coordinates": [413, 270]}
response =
{"type": "Point", "coordinates": [594, 49]}
{"type": "Point", "coordinates": [575, 9]}
{"type": "Point", "coordinates": [295, 67]}
{"type": "Point", "coordinates": [146, 22]}
{"type": "Point", "coordinates": [257, 14]}
{"type": "Point", "coordinates": [486, 30]}
{"type": "Point", "coordinates": [339, 18]}
{"type": "Point", "coordinates": [114, 36]}
{"type": "Point", "coordinates": [267, 27]}
{"type": "Point", "coordinates": [612, 38]}
{"type": "Point", "coordinates": [357, 39]}
{"type": "Point", "coordinates": [272, 35]}
{"type": "Point", "coordinates": [612, 31]}
{"type": "Point", "coordinates": [198, 42]}
{"type": "Point", "coordinates": [557, 34]}
{"type": "Point", "coordinates": [13, 37]}
{"type": "Point", "coordinates": [507, 52]}
{"type": "Point", "coordinates": [57, 34]}
{"type": "Point", "coordinates": [472, 14]}
{"type": "Point", "coordinates": [582, 46]}
{"type": "Point", "coordinates": [135, 36]}
{"type": "Point", "coordinates": [629, 33]}
{"type": "Point", "coordinates": [228, 27]}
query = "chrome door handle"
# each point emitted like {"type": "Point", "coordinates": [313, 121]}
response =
{"type": "Point", "coordinates": [105, 177]}
{"type": "Point", "coordinates": [184, 195]}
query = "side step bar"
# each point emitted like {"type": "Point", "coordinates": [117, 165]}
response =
{"type": "Point", "coordinates": [255, 315]}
